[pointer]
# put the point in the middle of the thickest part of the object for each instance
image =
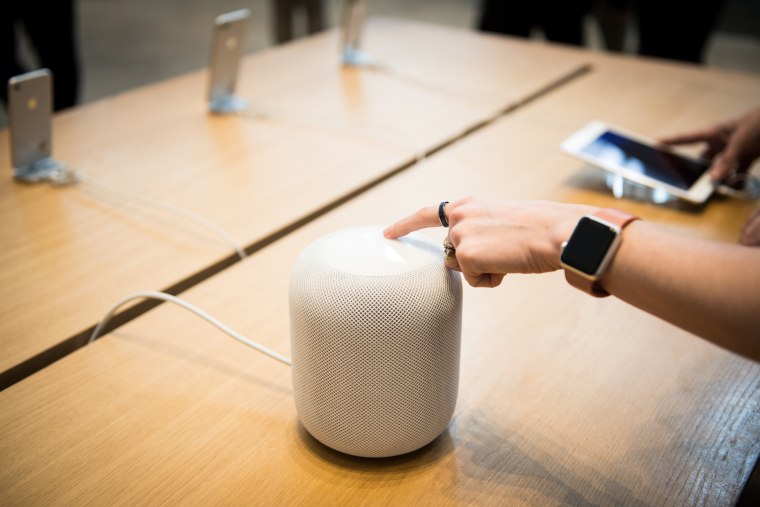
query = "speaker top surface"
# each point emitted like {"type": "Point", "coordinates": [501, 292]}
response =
{"type": "Point", "coordinates": [365, 251]}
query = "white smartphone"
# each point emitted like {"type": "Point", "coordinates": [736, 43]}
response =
{"type": "Point", "coordinates": [30, 110]}
{"type": "Point", "coordinates": [352, 26]}
{"type": "Point", "coordinates": [642, 160]}
{"type": "Point", "coordinates": [353, 21]}
{"type": "Point", "coordinates": [227, 49]}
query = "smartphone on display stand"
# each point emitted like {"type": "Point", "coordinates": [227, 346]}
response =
{"type": "Point", "coordinates": [641, 160]}
{"type": "Point", "coordinates": [351, 31]}
{"type": "Point", "coordinates": [30, 113]}
{"type": "Point", "coordinates": [227, 49]}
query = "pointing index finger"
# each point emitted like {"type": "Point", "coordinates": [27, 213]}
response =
{"type": "Point", "coordinates": [425, 217]}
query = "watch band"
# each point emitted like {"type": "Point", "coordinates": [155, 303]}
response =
{"type": "Point", "coordinates": [615, 217]}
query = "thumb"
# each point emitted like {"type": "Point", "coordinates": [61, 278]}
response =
{"type": "Point", "coordinates": [751, 230]}
{"type": "Point", "coordinates": [722, 165]}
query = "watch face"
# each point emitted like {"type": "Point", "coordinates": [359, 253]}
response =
{"type": "Point", "coordinates": [586, 248]}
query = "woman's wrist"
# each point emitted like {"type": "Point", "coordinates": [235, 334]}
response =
{"type": "Point", "coordinates": [564, 227]}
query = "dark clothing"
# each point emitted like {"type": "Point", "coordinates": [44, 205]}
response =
{"type": "Point", "coordinates": [560, 20]}
{"type": "Point", "coordinates": [676, 29]}
{"type": "Point", "coordinates": [50, 27]}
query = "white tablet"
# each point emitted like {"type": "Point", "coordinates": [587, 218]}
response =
{"type": "Point", "coordinates": [641, 160]}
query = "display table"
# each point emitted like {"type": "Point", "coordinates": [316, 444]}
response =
{"type": "Point", "coordinates": [563, 399]}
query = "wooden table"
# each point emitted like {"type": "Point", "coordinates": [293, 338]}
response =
{"type": "Point", "coordinates": [564, 398]}
{"type": "Point", "coordinates": [317, 135]}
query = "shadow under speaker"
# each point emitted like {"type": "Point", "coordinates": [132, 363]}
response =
{"type": "Point", "coordinates": [375, 340]}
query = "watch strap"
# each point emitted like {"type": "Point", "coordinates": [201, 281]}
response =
{"type": "Point", "coordinates": [615, 217]}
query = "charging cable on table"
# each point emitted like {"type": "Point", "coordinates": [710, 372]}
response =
{"type": "Point", "coordinates": [162, 296]}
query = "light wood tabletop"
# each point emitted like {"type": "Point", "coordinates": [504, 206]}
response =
{"type": "Point", "coordinates": [316, 134]}
{"type": "Point", "coordinates": [563, 398]}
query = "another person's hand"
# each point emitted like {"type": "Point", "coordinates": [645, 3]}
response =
{"type": "Point", "coordinates": [751, 230]}
{"type": "Point", "coordinates": [492, 239]}
{"type": "Point", "coordinates": [732, 145]}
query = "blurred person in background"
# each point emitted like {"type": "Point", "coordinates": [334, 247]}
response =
{"type": "Point", "coordinates": [560, 20]}
{"type": "Point", "coordinates": [286, 13]}
{"type": "Point", "coordinates": [50, 27]}
{"type": "Point", "coordinates": [676, 29]}
{"type": "Point", "coordinates": [672, 29]}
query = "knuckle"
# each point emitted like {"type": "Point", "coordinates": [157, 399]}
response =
{"type": "Point", "coordinates": [456, 215]}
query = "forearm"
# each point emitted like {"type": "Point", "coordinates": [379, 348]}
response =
{"type": "Point", "coordinates": [711, 289]}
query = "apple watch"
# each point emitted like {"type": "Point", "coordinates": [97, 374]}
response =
{"type": "Point", "coordinates": [591, 247]}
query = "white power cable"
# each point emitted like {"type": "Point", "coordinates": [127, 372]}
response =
{"type": "Point", "coordinates": [162, 296]}
{"type": "Point", "coordinates": [165, 206]}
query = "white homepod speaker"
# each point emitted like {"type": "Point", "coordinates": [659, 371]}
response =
{"type": "Point", "coordinates": [375, 328]}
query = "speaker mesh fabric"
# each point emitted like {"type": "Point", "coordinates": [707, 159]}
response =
{"type": "Point", "coordinates": [375, 358]}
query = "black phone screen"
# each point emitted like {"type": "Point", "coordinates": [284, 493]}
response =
{"type": "Point", "coordinates": [669, 168]}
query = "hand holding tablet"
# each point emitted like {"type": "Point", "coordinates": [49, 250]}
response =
{"type": "Point", "coordinates": [641, 160]}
